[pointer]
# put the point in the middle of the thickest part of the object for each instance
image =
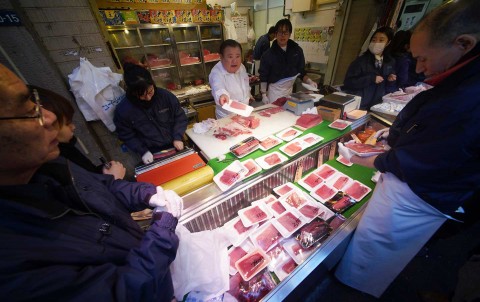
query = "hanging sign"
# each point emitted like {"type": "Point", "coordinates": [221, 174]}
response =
{"type": "Point", "coordinates": [9, 18]}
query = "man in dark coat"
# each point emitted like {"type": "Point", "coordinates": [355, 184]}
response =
{"type": "Point", "coordinates": [148, 119]}
{"type": "Point", "coordinates": [67, 233]}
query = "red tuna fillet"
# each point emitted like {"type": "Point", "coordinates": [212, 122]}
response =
{"type": "Point", "coordinates": [295, 200]}
{"type": "Point", "coordinates": [293, 148]}
{"type": "Point", "coordinates": [238, 105]}
{"type": "Point", "coordinates": [313, 180]}
{"type": "Point", "coordinates": [268, 238]}
{"type": "Point", "coordinates": [268, 142]}
{"type": "Point", "coordinates": [236, 254]}
{"type": "Point", "coordinates": [289, 222]}
{"type": "Point", "coordinates": [240, 227]}
{"type": "Point", "coordinates": [325, 192]}
{"type": "Point", "coordinates": [255, 214]}
{"type": "Point", "coordinates": [272, 159]}
{"type": "Point", "coordinates": [309, 211]}
{"type": "Point", "coordinates": [325, 172]}
{"type": "Point", "coordinates": [308, 120]}
{"type": "Point", "coordinates": [251, 167]}
{"type": "Point", "coordinates": [340, 182]}
{"type": "Point", "coordinates": [284, 190]}
{"type": "Point", "coordinates": [278, 207]}
{"type": "Point", "coordinates": [356, 190]}
{"type": "Point", "coordinates": [289, 133]}
{"type": "Point", "coordinates": [289, 266]}
{"type": "Point", "coordinates": [229, 177]}
{"type": "Point", "coordinates": [251, 264]}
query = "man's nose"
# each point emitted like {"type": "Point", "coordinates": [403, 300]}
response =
{"type": "Point", "coordinates": [49, 118]}
{"type": "Point", "coordinates": [419, 68]}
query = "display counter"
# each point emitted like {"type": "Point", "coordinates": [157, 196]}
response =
{"type": "Point", "coordinates": [208, 208]}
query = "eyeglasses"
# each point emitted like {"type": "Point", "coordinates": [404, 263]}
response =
{"type": "Point", "coordinates": [283, 33]}
{"type": "Point", "coordinates": [38, 111]}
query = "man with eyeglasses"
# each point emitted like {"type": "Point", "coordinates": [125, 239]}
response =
{"type": "Point", "coordinates": [283, 60]}
{"type": "Point", "coordinates": [67, 233]}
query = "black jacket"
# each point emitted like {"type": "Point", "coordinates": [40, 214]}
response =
{"type": "Point", "coordinates": [360, 79]}
{"type": "Point", "coordinates": [277, 64]}
{"type": "Point", "coordinates": [70, 152]}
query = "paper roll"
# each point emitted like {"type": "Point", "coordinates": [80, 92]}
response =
{"type": "Point", "coordinates": [190, 181]}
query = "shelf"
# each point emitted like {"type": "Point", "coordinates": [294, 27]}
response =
{"type": "Point", "coordinates": [210, 40]}
{"type": "Point", "coordinates": [187, 42]}
{"type": "Point", "coordinates": [212, 61]}
{"type": "Point", "coordinates": [156, 45]}
{"type": "Point", "coordinates": [197, 63]}
{"type": "Point", "coordinates": [127, 47]}
{"type": "Point", "coordinates": [162, 67]}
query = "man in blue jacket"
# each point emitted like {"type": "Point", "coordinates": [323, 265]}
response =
{"type": "Point", "coordinates": [433, 166]}
{"type": "Point", "coordinates": [66, 233]}
{"type": "Point", "coordinates": [148, 119]}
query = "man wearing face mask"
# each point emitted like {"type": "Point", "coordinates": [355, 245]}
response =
{"type": "Point", "coordinates": [433, 166]}
{"type": "Point", "coordinates": [372, 75]}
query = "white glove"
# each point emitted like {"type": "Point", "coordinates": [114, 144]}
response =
{"type": "Point", "coordinates": [311, 83]}
{"type": "Point", "coordinates": [345, 152]}
{"type": "Point", "coordinates": [382, 134]}
{"type": "Point", "coordinates": [147, 157]}
{"type": "Point", "coordinates": [265, 99]}
{"type": "Point", "coordinates": [167, 201]}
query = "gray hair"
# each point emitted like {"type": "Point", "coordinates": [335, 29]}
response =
{"type": "Point", "coordinates": [448, 21]}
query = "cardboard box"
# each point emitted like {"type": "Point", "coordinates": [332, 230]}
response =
{"type": "Point", "coordinates": [328, 114]}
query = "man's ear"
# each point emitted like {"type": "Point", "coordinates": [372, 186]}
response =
{"type": "Point", "coordinates": [466, 42]}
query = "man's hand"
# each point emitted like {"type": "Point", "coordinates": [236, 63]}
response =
{"type": "Point", "coordinates": [392, 77]}
{"type": "Point", "coordinates": [378, 79]}
{"type": "Point", "coordinates": [345, 152]}
{"type": "Point", "coordinates": [147, 157]}
{"type": "Point", "coordinates": [167, 200]}
{"type": "Point", "coordinates": [311, 83]}
{"type": "Point", "coordinates": [117, 170]}
{"type": "Point", "coordinates": [223, 99]}
{"type": "Point", "coordinates": [265, 99]}
{"type": "Point", "coordinates": [178, 145]}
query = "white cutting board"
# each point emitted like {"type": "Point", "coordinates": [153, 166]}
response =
{"type": "Point", "coordinates": [213, 147]}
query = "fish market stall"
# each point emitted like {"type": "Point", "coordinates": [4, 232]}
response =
{"type": "Point", "coordinates": [213, 206]}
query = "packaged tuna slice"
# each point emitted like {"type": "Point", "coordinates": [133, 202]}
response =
{"type": "Point", "coordinates": [311, 139]}
{"type": "Point", "coordinates": [340, 181]}
{"type": "Point", "coordinates": [252, 263]}
{"type": "Point", "coordinates": [237, 232]}
{"type": "Point", "coordinates": [252, 167]}
{"type": "Point", "coordinates": [341, 204]}
{"type": "Point", "coordinates": [344, 161]}
{"type": "Point", "coordinates": [269, 142]}
{"type": "Point", "coordinates": [313, 233]}
{"type": "Point", "coordinates": [284, 269]}
{"type": "Point", "coordinates": [294, 199]}
{"type": "Point", "coordinates": [296, 251]}
{"type": "Point", "coordinates": [288, 134]}
{"type": "Point", "coordinates": [237, 252]}
{"type": "Point", "coordinates": [323, 192]}
{"type": "Point", "coordinates": [284, 189]}
{"type": "Point", "coordinates": [238, 108]}
{"type": "Point", "coordinates": [245, 147]}
{"type": "Point", "coordinates": [228, 177]}
{"type": "Point", "coordinates": [310, 181]}
{"type": "Point", "coordinates": [277, 208]}
{"type": "Point", "coordinates": [277, 256]}
{"type": "Point", "coordinates": [325, 171]}
{"type": "Point", "coordinates": [266, 236]}
{"type": "Point", "coordinates": [255, 213]}
{"type": "Point", "coordinates": [289, 222]}
{"type": "Point", "coordinates": [312, 210]}
{"type": "Point", "coordinates": [357, 190]}
{"type": "Point", "coordinates": [271, 160]}
{"type": "Point", "coordinates": [340, 124]}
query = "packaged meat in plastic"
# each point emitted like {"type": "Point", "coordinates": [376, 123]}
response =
{"type": "Point", "coordinates": [254, 289]}
{"type": "Point", "coordinates": [294, 199]}
{"type": "Point", "coordinates": [230, 175]}
{"type": "Point", "coordinates": [336, 221]}
{"type": "Point", "coordinates": [313, 233]}
{"type": "Point", "coordinates": [288, 134]}
{"type": "Point", "coordinates": [277, 255]}
{"type": "Point", "coordinates": [237, 232]}
{"type": "Point", "coordinates": [325, 171]}
{"type": "Point", "coordinates": [311, 210]}
{"type": "Point", "coordinates": [252, 263]}
{"type": "Point", "coordinates": [323, 192]}
{"type": "Point", "coordinates": [252, 167]}
{"type": "Point", "coordinates": [271, 160]}
{"type": "Point", "coordinates": [296, 251]}
{"type": "Point", "coordinates": [357, 190]}
{"type": "Point", "coordinates": [285, 268]}
{"type": "Point", "coordinates": [269, 142]}
{"type": "Point", "coordinates": [237, 252]}
{"type": "Point", "coordinates": [255, 213]}
{"type": "Point", "coordinates": [266, 236]}
{"type": "Point", "coordinates": [284, 189]}
{"type": "Point", "coordinates": [289, 222]}
{"type": "Point", "coordinates": [310, 181]}
{"type": "Point", "coordinates": [340, 203]}
{"type": "Point", "coordinates": [245, 147]}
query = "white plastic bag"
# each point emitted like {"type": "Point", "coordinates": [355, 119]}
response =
{"type": "Point", "coordinates": [281, 88]}
{"type": "Point", "coordinates": [96, 91]}
{"type": "Point", "coordinates": [201, 263]}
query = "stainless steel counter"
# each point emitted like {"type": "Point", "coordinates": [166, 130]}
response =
{"type": "Point", "coordinates": [208, 208]}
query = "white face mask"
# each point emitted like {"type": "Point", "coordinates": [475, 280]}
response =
{"type": "Point", "coordinates": [376, 48]}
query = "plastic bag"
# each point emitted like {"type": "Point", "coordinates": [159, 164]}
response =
{"type": "Point", "coordinates": [96, 91]}
{"type": "Point", "coordinates": [201, 263]}
{"type": "Point", "coordinates": [281, 88]}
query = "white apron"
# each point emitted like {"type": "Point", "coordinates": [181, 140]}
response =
{"type": "Point", "coordinates": [281, 88]}
{"type": "Point", "coordinates": [395, 225]}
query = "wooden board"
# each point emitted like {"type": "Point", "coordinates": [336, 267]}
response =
{"type": "Point", "coordinates": [213, 147]}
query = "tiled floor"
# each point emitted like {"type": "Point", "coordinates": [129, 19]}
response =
{"type": "Point", "coordinates": [434, 271]}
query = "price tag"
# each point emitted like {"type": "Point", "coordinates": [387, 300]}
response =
{"type": "Point", "coordinates": [9, 18]}
{"type": "Point", "coordinates": [299, 172]}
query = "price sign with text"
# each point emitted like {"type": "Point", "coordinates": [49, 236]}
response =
{"type": "Point", "coordinates": [9, 18]}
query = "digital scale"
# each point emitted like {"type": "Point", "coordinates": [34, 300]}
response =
{"type": "Point", "coordinates": [299, 102]}
{"type": "Point", "coordinates": [338, 100]}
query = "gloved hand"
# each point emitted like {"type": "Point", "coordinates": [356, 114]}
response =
{"type": "Point", "coordinates": [265, 99]}
{"type": "Point", "coordinates": [382, 134]}
{"type": "Point", "coordinates": [311, 83]}
{"type": "Point", "coordinates": [167, 200]}
{"type": "Point", "coordinates": [147, 157]}
{"type": "Point", "coordinates": [345, 152]}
